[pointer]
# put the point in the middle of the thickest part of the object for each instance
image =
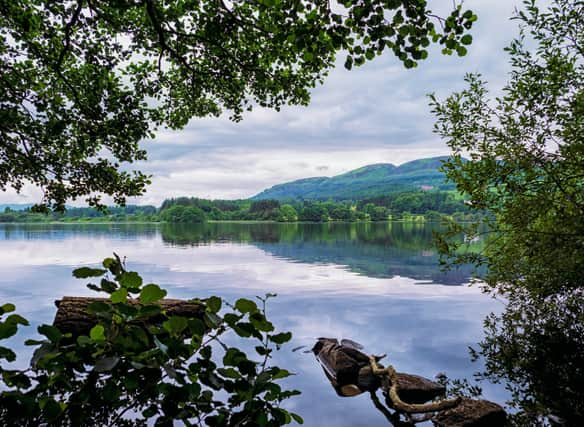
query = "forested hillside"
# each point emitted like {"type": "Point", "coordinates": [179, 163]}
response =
{"type": "Point", "coordinates": [368, 181]}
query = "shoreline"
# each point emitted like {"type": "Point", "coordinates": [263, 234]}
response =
{"type": "Point", "coordinates": [222, 221]}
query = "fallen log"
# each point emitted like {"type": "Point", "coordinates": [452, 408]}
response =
{"type": "Point", "coordinates": [72, 316]}
{"type": "Point", "coordinates": [353, 372]}
{"type": "Point", "coordinates": [349, 371]}
{"type": "Point", "coordinates": [472, 413]}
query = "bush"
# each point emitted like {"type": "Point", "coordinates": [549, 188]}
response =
{"type": "Point", "coordinates": [139, 366]}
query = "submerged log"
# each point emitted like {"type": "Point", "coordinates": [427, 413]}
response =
{"type": "Point", "coordinates": [352, 372]}
{"type": "Point", "coordinates": [417, 389]}
{"type": "Point", "coordinates": [472, 413]}
{"type": "Point", "coordinates": [72, 316]}
{"type": "Point", "coordinates": [349, 372]}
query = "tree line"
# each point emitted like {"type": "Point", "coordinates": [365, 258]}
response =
{"type": "Point", "coordinates": [401, 206]}
{"type": "Point", "coordinates": [419, 205]}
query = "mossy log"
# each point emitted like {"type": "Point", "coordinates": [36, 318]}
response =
{"type": "Point", "coordinates": [72, 316]}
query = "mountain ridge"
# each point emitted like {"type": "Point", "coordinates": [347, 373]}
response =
{"type": "Point", "coordinates": [367, 181]}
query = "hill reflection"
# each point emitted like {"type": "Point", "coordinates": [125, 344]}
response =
{"type": "Point", "coordinates": [380, 250]}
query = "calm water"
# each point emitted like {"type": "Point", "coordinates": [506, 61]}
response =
{"type": "Point", "coordinates": [378, 284]}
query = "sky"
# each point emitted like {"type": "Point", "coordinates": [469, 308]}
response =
{"type": "Point", "coordinates": [377, 113]}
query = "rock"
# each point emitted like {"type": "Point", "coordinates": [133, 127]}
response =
{"type": "Point", "coordinates": [472, 413]}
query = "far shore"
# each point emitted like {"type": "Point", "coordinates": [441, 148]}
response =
{"type": "Point", "coordinates": [224, 221]}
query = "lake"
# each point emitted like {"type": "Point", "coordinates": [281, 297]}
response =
{"type": "Point", "coordinates": [376, 283]}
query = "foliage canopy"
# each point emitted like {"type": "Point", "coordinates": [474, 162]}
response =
{"type": "Point", "coordinates": [84, 81]}
{"type": "Point", "coordinates": [526, 168]}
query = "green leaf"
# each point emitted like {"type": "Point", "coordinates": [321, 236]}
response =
{"type": "Point", "coordinates": [234, 357]}
{"type": "Point", "coordinates": [297, 418]}
{"type": "Point", "coordinates": [349, 63]}
{"type": "Point", "coordinates": [212, 320]}
{"type": "Point", "coordinates": [44, 350]}
{"type": "Point", "coordinates": [52, 333]}
{"type": "Point", "coordinates": [97, 333]}
{"type": "Point", "coordinates": [108, 285]}
{"type": "Point", "coordinates": [261, 323]}
{"type": "Point", "coordinates": [214, 304]}
{"type": "Point", "coordinates": [246, 305]}
{"type": "Point", "coordinates": [461, 50]}
{"type": "Point", "coordinates": [466, 39]}
{"type": "Point", "coordinates": [197, 327]}
{"type": "Point", "coordinates": [130, 279]}
{"type": "Point", "coordinates": [262, 351]}
{"type": "Point", "coordinates": [175, 325]}
{"type": "Point", "coordinates": [281, 338]}
{"type": "Point", "coordinates": [16, 319]}
{"type": "Point", "coordinates": [128, 310]}
{"type": "Point", "coordinates": [151, 293]}
{"type": "Point", "coordinates": [34, 342]}
{"type": "Point", "coordinates": [121, 295]}
{"type": "Point", "coordinates": [229, 373]}
{"type": "Point", "coordinates": [7, 308]}
{"type": "Point", "coordinates": [7, 354]}
{"type": "Point", "coordinates": [85, 272]}
{"type": "Point", "coordinates": [282, 373]}
{"type": "Point", "coordinates": [108, 263]}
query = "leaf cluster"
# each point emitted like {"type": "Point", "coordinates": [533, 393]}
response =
{"type": "Point", "coordinates": [525, 168]}
{"type": "Point", "coordinates": [139, 365]}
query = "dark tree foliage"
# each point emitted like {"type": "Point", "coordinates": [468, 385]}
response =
{"type": "Point", "coordinates": [83, 81]}
{"type": "Point", "coordinates": [526, 168]}
{"type": "Point", "coordinates": [437, 203]}
{"type": "Point", "coordinates": [264, 205]}
{"type": "Point", "coordinates": [447, 202]}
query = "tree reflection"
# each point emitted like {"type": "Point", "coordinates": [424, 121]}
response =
{"type": "Point", "coordinates": [381, 250]}
{"type": "Point", "coordinates": [536, 346]}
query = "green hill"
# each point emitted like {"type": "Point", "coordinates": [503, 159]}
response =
{"type": "Point", "coordinates": [368, 181]}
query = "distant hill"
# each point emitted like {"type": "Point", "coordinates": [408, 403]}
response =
{"type": "Point", "coordinates": [368, 181]}
{"type": "Point", "coordinates": [15, 206]}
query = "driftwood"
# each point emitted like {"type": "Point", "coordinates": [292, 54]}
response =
{"type": "Point", "coordinates": [352, 372]}
{"type": "Point", "coordinates": [472, 413]}
{"type": "Point", "coordinates": [72, 316]}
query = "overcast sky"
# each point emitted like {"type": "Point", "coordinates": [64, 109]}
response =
{"type": "Point", "coordinates": [377, 113]}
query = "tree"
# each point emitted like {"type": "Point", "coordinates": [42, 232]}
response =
{"type": "Point", "coordinates": [526, 169]}
{"type": "Point", "coordinates": [183, 214]}
{"type": "Point", "coordinates": [84, 81]}
{"type": "Point", "coordinates": [287, 213]}
{"type": "Point", "coordinates": [314, 212]}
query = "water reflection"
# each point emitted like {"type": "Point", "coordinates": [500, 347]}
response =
{"type": "Point", "coordinates": [355, 281]}
{"type": "Point", "coordinates": [382, 250]}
